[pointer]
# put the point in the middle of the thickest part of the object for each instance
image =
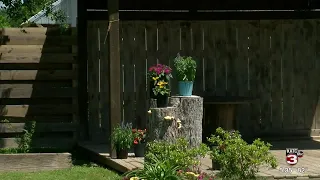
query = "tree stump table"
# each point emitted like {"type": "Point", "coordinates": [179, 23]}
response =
{"type": "Point", "coordinates": [182, 119]}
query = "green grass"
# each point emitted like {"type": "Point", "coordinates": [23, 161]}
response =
{"type": "Point", "coordinates": [74, 173]}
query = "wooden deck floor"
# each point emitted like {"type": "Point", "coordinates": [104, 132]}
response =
{"type": "Point", "coordinates": [310, 161]}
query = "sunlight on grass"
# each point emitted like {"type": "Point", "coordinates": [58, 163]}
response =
{"type": "Point", "coordinates": [74, 173]}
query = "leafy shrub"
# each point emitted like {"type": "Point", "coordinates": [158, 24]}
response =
{"type": "Point", "coordinates": [179, 155]}
{"type": "Point", "coordinates": [157, 170]}
{"type": "Point", "coordinates": [237, 158]}
{"type": "Point", "coordinates": [185, 68]}
{"type": "Point", "coordinates": [122, 136]}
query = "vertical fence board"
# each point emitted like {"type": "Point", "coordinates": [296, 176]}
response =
{"type": "Point", "coordinates": [276, 65]}
{"type": "Point", "coordinates": [128, 59]}
{"type": "Point", "coordinates": [141, 74]}
{"type": "Point", "coordinates": [104, 79]}
{"type": "Point", "coordinates": [221, 57]}
{"type": "Point", "coordinates": [243, 111]}
{"type": "Point", "coordinates": [254, 75]}
{"type": "Point", "coordinates": [185, 39]}
{"type": "Point", "coordinates": [198, 55]}
{"type": "Point", "coordinates": [309, 30]}
{"type": "Point", "coordinates": [210, 57]}
{"type": "Point", "coordinates": [232, 58]}
{"type": "Point", "coordinates": [163, 39]}
{"type": "Point", "coordinates": [287, 56]}
{"type": "Point", "coordinates": [174, 49]}
{"type": "Point", "coordinates": [316, 123]}
{"type": "Point", "coordinates": [151, 36]}
{"type": "Point", "coordinates": [93, 86]}
{"type": "Point", "coordinates": [299, 85]}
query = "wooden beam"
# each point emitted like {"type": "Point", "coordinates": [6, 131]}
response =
{"type": "Point", "coordinates": [82, 69]}
{"type": "Point", "coordinates": [115, 71]}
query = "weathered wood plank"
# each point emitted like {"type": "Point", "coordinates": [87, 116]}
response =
{"type": "Point", "coordinates": [185, 39]}
{"type": "Point", "coordinates": [128, 62]}
{"type": "Point", "coordinates": [173, 50]}
{"type": "Point", "coordinates": [31, 31]}
{"type": "Point", "coordinates": [151, 46]}
{"type": "Point", "coordinates": [104, 81]}
{"type": "Point", "coordinates": [37, 58]}
{"type": "Point", "coordinates": [221, 57]}
{"type": "Point", "coordinates": [40, 127]}
{"type": "Point", "coordinates": [93, 80]}
{"type": "Point", "coordinates": [299, 76]}
{"type": "Point", "coordinates": [276, 77]}
{"type": "Point", "coordinates": [210, 58]}
{"type": "Point", "coordinates": [40, 119]}
{"type": "Point", "coordinates": [63, 143]}
{"type": "Point", "coordinates": [197, 48]}
{"type": "Point", "coordinates": [35, 84]}
{"type": "Point", "coordinates": [140, 75]}
{"type": "Point", "coordinates": [317, 66]}
{"type": "Point", "coordinates": [24, 110]}
{"type": "Point", "coordinates": [12, 49]}
{"type": "Point", "coordinates": [38, 40]}
{"type": "Point", "coordinates": [37, 74]}
{"type": "Point", "coordinates": [288, 80]}
{"type": "Point", "coordinates": [37, 92]}
{"type": "Point", "coordinates": [254, 77]}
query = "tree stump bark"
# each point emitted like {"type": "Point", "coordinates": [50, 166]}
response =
{"type": "Point", "coordinates": [186, 113]}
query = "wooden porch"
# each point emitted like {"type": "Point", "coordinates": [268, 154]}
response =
{"type": "Point", "coordinates": [310, 161]}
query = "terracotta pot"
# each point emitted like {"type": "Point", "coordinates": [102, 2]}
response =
{"type": "Point", "coordinates": [122, 154]}
{"type": "Point", "coordinates": [139, 149]}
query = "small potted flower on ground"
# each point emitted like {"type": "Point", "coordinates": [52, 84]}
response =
{"type": "Point", "coordinates": [186, 72]}
{"type": "Point", "coordinates": [159, 76]}
{"type": "Point", "coordinates": [122, 139]}
{"type": "Point", "coordinates": [139, 142]}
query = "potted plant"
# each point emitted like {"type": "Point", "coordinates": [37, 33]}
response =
{"type": "Point", "coordinates": [186, 72]}
{"type": "Point", "coordinates": [139, 142]}
{"type": "Point", "coordinates": [122, 139]}
{"type": "Point", "coordinates": [159, 76]}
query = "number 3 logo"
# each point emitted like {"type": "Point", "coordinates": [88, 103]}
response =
{"type": "Point", "coordinates": [292, 159]}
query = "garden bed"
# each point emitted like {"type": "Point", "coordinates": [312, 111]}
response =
{"type": "Point", "coordinates": [34, 160]}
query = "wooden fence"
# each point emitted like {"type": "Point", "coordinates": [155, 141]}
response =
{"type": "Point", "coordinates": [273, 60]}
{"type": "Point", "coordinates": [38, 81]}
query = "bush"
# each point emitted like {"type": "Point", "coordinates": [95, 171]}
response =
{"type": "Point", "coordinates": [178, 155]}
{"type": "Point", "coordinates": [237, 158]}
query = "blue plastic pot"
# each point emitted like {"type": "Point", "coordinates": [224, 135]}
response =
{"type": "Point", "coordinates": [185, 88]}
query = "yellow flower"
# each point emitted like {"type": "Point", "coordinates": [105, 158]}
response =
{"type": "Point", "coordinates": [149, 112]}
{"type": "Point", "coordinates": [155, 78]}
{"type": "Point", "coordinates": [134, 178]}
{"type": "Point", "coordinates": [168, 117]}
{"type": "Point", "coordinates": [190, 173]}
{"type": "Point", "coordinates": [161, 83]}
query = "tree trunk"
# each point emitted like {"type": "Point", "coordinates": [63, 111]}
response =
{"type": "Point", "coordinates": [188, 110]}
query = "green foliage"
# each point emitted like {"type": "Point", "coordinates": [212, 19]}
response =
{"type": "Point", "coordinates": [188, 175]}
{"type": "Point", "coordinates": [179, 154]}
{"type": "Point", "coordinates": [186, 68]}
{"type": "Point", "coordinates": [24, 141]}
{"type": "Point", "coordinates": [122, 136]}
{"type": "Point", "coordinates": [17, 12]}
{"type": "Point", "coordinates": [4, 22]}
{"type": "Point", "coordinates": [237, 158]}
{"type": "Point", "coordinates": [157, 170]}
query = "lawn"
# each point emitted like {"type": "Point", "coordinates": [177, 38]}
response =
{"type": "Point", "coordinates": [74, 173]}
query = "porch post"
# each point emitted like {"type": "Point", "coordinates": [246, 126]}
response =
{"type": "Point", "coordinates": [115, 71]}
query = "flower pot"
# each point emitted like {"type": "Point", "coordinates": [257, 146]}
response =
{"type": "Point", "coordinates": [139, 149]}
{"type": "Point", "coordinates": [162, 101]}
{"type": "Point", "coordinates": [122, 154]}
{"type": "Point", "coordinates": [185, 88]}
